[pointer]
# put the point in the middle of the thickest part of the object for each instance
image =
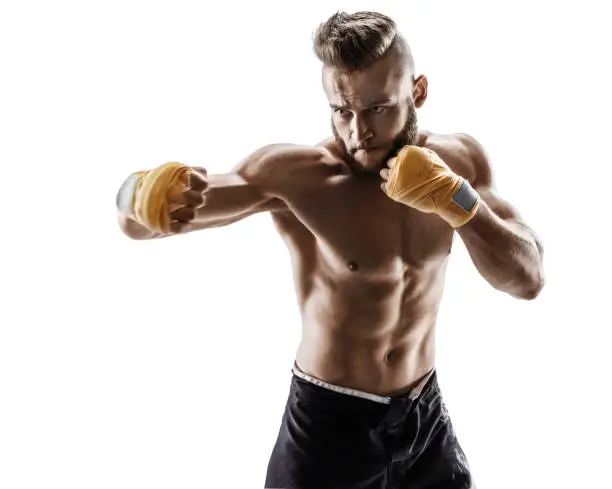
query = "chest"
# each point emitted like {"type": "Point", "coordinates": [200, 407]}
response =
{"type": "Point", "coordinates": [356, 227]}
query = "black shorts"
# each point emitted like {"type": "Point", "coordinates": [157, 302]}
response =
{"type": "Point", "coordinates": [331, 439]}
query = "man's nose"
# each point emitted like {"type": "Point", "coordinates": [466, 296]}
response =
{"type": "Point", "coordinates": [360, 131]}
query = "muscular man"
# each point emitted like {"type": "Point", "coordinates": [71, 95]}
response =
{"type": "Point", "coordinates": [364, 408]}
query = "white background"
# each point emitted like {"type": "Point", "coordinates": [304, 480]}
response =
{"type": "Point", "coordinates": [166, 364]}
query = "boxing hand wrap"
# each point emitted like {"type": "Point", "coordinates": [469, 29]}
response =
{"type": "Point", "coordinates": [148, 197]}
{"type": "Point", "coordinates": [420, 178]}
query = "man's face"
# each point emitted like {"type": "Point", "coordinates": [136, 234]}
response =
{"type": "Point", "coordinates": [373, 114]}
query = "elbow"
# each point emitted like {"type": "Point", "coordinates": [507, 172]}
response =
{"type": "Point", "coordinates": [532, 289]}
{"type": "Point", "coordinates": [524, 286]}
{"type": "Point", "coordinates": [536, 284]}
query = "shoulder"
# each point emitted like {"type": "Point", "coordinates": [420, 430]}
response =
{"type": "Point", "coordinates": [276, 163]}
{"type": "Point", "coordinates": [478, 158]}
{"type": "Point", "coordinates": [475, 159]}
{"type": "Point", "coordinates": [300, 153]}
{"type": "Point", "coordinates": [465, 155]}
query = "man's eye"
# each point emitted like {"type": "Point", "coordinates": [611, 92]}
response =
{"type": "Point", "coordinates": [341, 112]}
{"type": "Point", "coordinates": [378, 109]}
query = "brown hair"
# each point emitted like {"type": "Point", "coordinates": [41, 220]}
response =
{"type": "Point", "coordinates": [355, 41]}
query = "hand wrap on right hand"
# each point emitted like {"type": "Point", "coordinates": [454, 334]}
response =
{"type": "Point", "coordinates": [156, 194]}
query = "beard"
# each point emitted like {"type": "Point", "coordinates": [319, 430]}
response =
{"type": "Point", "coordinates": [406, 136]}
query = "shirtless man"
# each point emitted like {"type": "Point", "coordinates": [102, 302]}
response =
{"type": "Point", "coordinates": [364, 408]}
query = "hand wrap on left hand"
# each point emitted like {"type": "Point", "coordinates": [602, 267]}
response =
{"type": "Point", "coordinates": [419, 178]}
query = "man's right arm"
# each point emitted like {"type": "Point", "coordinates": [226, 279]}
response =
{"type": "Point", "coordinates": [258, 184]}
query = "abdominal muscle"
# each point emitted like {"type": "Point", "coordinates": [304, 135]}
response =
{"type": "Point", "coordinates": [374, 334]}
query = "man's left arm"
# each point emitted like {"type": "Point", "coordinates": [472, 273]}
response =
{"type": "Point", "coordinates": [505, 251]}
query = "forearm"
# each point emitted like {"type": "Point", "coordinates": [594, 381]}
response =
{"type": "Point", "coordinates": [229, 198]}
{"type": "Point", "coordinates": [505, 253]}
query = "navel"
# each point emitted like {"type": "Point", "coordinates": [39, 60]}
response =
{"type": "Point", "coordinates": [390, 356]}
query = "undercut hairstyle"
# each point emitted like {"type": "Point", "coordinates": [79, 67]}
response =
{"type": "Point", "coordinates": [353, 42]}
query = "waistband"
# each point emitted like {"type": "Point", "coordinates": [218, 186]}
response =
{"type": "Point", "coordinates": [412, 394]}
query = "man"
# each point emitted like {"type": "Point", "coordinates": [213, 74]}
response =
{"type": "Point", "coordinates": [370, 248]}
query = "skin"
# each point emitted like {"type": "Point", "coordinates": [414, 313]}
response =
{"type": "Point", "coordinates": [369, 272]}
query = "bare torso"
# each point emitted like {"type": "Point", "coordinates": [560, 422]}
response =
{"type": "Point", "coordinates": [369, 275]}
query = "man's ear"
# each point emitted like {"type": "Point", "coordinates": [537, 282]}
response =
{"type": "Point", "coordinates": [419, 91]}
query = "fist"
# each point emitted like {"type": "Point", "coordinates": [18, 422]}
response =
{"type": "Point", "coordinates": [183, 205]}
{"type": "Point", "coordinates": [419, 178]}
{"type": "Point", "coordinates": [180, 201]}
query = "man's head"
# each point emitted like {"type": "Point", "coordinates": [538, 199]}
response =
{"type": "Point", "coordinates": [368, 77]}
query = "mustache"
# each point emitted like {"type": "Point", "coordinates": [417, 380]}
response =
{"type": "Point", "coordinates": [363, 147]}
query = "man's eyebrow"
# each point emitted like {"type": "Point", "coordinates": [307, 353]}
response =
{"type": "Point", "coordinates": [382, 101]}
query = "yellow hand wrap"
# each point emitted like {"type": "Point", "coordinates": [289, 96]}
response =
{"type": "Point", "coordinates": [158, 193]}
{"type": "Point", "coordinates": [419, 178]}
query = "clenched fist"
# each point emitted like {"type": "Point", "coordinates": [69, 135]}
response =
{"type": "Point", "coordinates": [182, 206]}
{"type": "Point", "coordinates": [164, 199]}
{"type": "Point", "coordinates": [419, 178]}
